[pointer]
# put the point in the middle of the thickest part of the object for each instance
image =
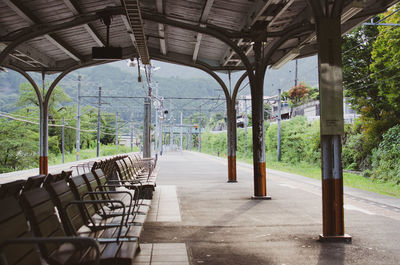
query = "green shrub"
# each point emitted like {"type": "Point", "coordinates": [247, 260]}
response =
{"type": "Point", "coordinates": [299, 141]}
{"type": "Point", "coordinates": [385, 158]}
{"type": "Point", "coordinates": [352, 151]}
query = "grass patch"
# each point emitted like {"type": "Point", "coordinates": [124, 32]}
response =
{"type": "Point", "coordinates": [312, 171]}
{"type": "Point", "coordinates": [105, 150]}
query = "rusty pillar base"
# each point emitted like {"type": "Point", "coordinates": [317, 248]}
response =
{"type": "Point", "coordinates": [332, 212]}
{"type": "Point", "coordinates": [335, 239]}
{"type": "Point", "coordinates": [260, 182]}
{"type": "Point", "coordinates": [232, 169]}
{"type": "Point", "coordinates": [43, 165]}
{"type": "Point", "coordinates": [261, 197]}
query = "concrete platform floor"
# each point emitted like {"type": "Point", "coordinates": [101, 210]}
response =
{"type": "Point", "coordinates": [220, 224]}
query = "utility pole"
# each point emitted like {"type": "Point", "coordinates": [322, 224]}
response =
{"type": "Point", "coordinates": [147, 119]}
{"type": "Point", "coordinates": [78, 120]}
{"type": "Point", "coordinates": [245, 124]}
{"type": "Point", "coordinates": [187, 138]}
{"type": "Point", "coordinates": [131, 136]}
{"type": "Point", "coordinates": [62, 139]}
{"type": "Point", "coordinates": [157, 131]}
{"type": "Point", "coordinates": [98, 124]}
{"type": "Point", "coordinates": [181, 130]}
{"type": "Point", "coordinates": [190, 140]}
{"type": "Point", "coordinates": [171, 133]}
{"type": "Point", "coordinates": [295, 73]}
{"type": "Point", "coordinates": [200, 131]}
{"type": "Point", "coordinates": [116, 130]}
{"type": "Point", "coordinates": [160, 142]}
{"type": "Point", "coordinates": [279, 125]}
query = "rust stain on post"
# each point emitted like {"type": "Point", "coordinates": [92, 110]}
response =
{"type": "Point", "coordinates": [232, 169]}
{"type": "Point", "coordinates": [43, 165]}
{"type": "Point", "coordinates": [260, 185]}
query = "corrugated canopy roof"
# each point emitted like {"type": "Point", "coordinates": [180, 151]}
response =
{"type": "Point", "coordinates": [54, 35]}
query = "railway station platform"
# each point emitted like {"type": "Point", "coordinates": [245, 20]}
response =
{"type": "Point", "coordinates": [199, 218]}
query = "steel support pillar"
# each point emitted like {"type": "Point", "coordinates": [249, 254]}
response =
{"type": "Point", "coordinates": [43, 139]}
{"type": "Point", "coordinates": [231, 138]}
{"type": "Point", "coordinates": [257, 106]}
{"type": "Point", "coordinates": [146, 128]}
{"type": "Point", "coordinates": [332, 127]}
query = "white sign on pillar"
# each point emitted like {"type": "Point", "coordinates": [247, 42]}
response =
{"type": "Point", "coordinates": [330, 74]}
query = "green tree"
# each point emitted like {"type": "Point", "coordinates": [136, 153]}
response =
{"type": "Point", "coordinates": [385, 67]}
{"type": "Point", "coordinates": [360, 87]}
{"type": "Point", "coordinates": [19, 145]}
{"type": "Point", "coordinates": [370, 64]}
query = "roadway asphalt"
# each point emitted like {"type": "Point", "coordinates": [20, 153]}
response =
{"type": "Point", "coordinates": [222, 225]}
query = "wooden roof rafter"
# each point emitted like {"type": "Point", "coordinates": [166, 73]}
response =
{"type": "Point", "coordinates": [203, 20]}
{"type": "Point", "coordinates": [76, 11]}
{"type": "Point", "coordinates": [162, 28]}
{"type": "Point", "coordinates": [32, 19]}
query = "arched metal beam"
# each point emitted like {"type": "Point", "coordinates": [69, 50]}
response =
{"type": "Point", "coordinates": [316, 7]}
{"type": "Point", "coordinates": [33, 32]}
{"type": "Point", "coordinates": [337, 8]}
{"type": "Point", "coordinates": [237, 85]}
{"type": "Point", "coordinates": [41, 111]}
{"type": "Point", "coordinates": [31, 81]}
{"type": "Point", "coordinates": [275, 46]}
{"type": "Point", "coordinates": [271, 51]}
{"type": "Point", "coordinates": [218, 34]}
{"type": "Point", "coordinates": [43, 160]}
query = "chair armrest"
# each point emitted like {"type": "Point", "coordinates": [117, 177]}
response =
{"type": "Point", "coordinates": [78, 241]}
{"type": "Point", "coordinates": [113, 192]}
{"type": "Point", "coordinates": [99, 202]}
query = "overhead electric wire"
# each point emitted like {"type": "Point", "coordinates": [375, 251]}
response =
{"type": "Point", "coordinates": [369, 75]}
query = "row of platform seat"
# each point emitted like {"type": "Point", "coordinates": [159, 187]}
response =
{"type": "Point", "coordinates": [95, 217]}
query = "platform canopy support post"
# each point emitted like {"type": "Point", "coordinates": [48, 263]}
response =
{"type": "Point", "coordinates": [328, 27]}
{"type": "Point", "coordinates": [257, 107]}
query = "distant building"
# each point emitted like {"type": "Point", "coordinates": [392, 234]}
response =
{"type": "Point", "coordinates": [309, 109]}
{"type": "Point", "coordinates": [125, 140]}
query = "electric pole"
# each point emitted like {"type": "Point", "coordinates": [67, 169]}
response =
{"type": "Point", "coordinates": [171, 133]}
{"type": "Point", "coordinates": [62, 139]}
{"type": "Point", "coordinates": [98, 124]}
{"type": "Point", "coordinates": [78, 120]}
{"type": "Point", "coordinates": [200, 131]}
{"type": "Point", "coordinates": [295, 73]}
{"type": "Point", "coordinates": [245, 124]}
{"type": "Point", "coordinates": [131, 136]}
{"type": "Point", "coordinates": [181, 130]}
{"type": "Point", "coordinates": [147, 118]}
{"type": "Point", "coordinates": [279, 125]}
{"type": "Point", "coordinates": [116, 131]}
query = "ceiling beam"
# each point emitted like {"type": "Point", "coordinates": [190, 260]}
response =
{"type": "Point", "coordinates": [16, 39]}
{"type": "Point", "coordinates": [76, 11]}
{"type": "Point", "coordinates": [173, 57]}
{"type": "Point", "coordinates": [29, 17]}
{"type": "Point", "coordinates": [283, 9]}
{"type": "Point", "coordinates": [161, 27]}
{"type": "Point", "coordinates": [30, 55]}
{"type": "Point", "coordinates": [253, 15]}
{"type": "Point", "coordinates": [203, 20]}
